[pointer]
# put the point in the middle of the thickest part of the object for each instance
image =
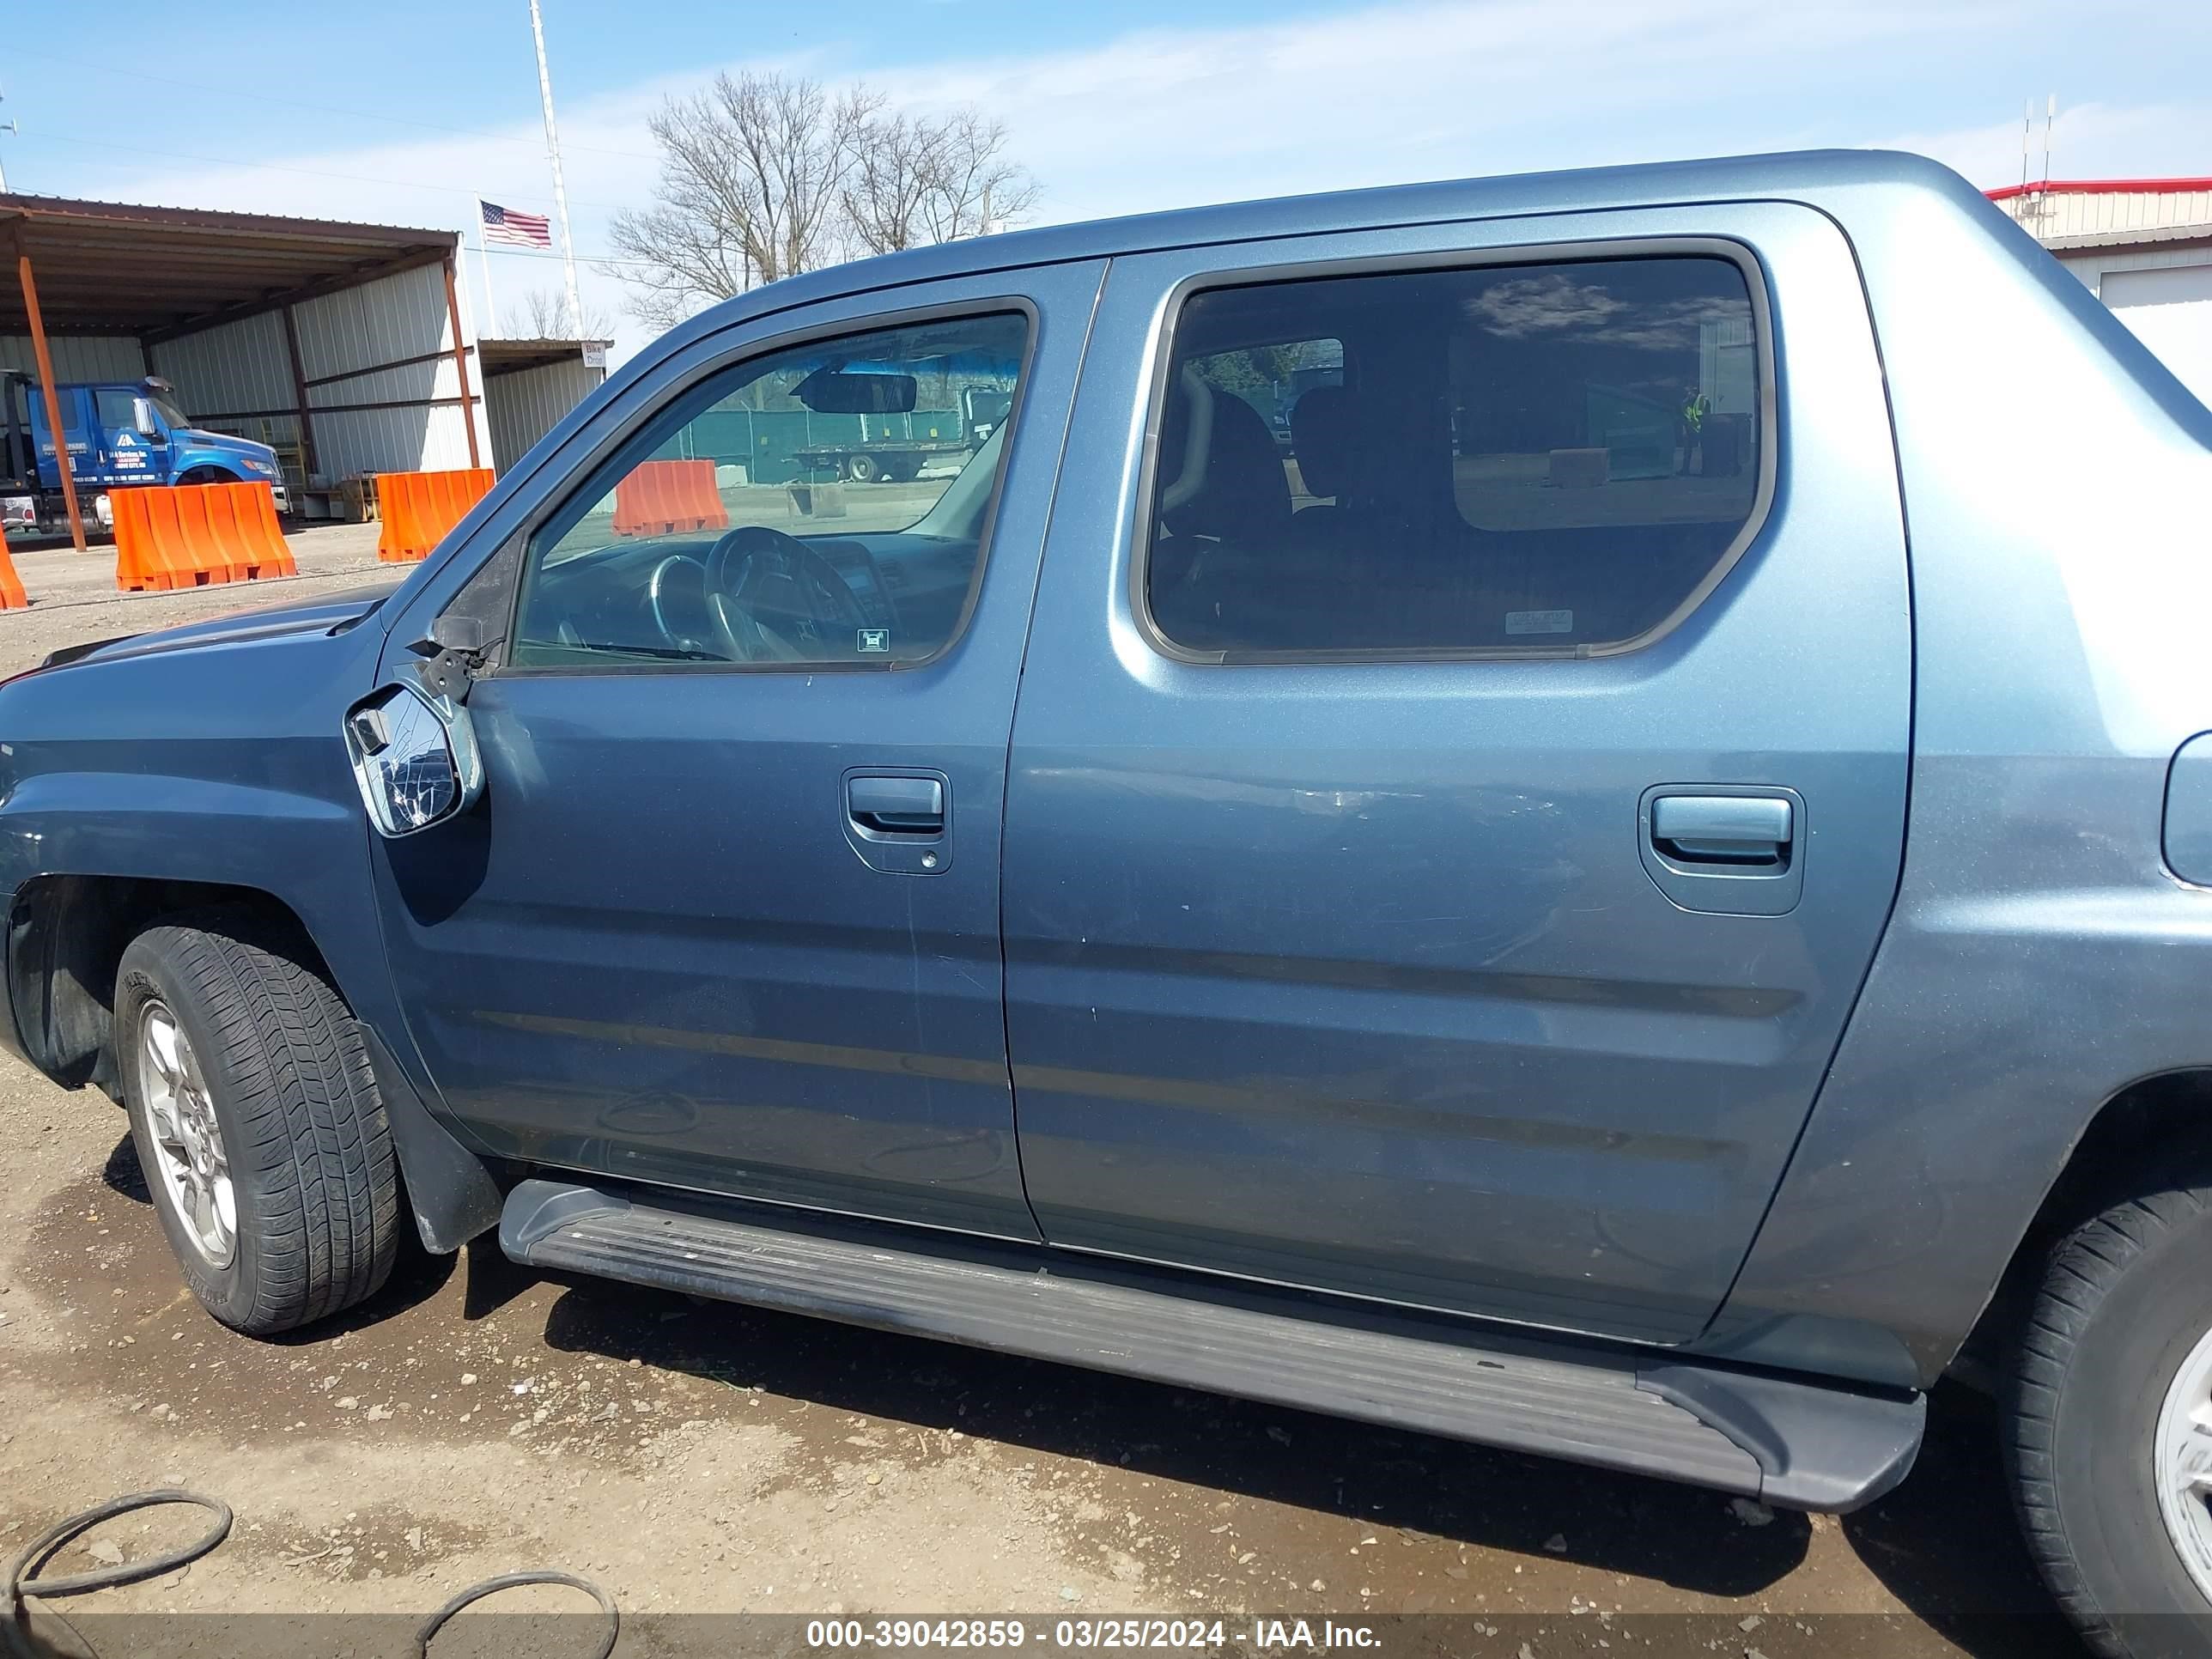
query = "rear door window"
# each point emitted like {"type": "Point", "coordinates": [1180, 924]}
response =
{"type": "Point", "coordinates": [1553, 458]}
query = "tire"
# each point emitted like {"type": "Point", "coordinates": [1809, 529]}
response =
{"type": "Point", "coordinates": [283, 1077]}
{"type": "Point", "coordinates": [2124, 1313]}
{"type": "Point", "coordinates": [861, 469]}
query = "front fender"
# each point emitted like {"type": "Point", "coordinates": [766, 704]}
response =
{"type": "Point", "coordinates": [184, 461]}
{"type": "Point", "coordinates": [219, 763]}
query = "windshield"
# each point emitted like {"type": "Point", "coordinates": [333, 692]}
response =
{"type": "Point", "coordinates": [168, 411]}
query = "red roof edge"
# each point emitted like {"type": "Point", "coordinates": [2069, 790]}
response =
{"type": "Point", "coordinates": [2096, 186]}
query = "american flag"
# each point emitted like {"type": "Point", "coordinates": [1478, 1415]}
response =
{"type": "Point", "coordinates": [503, 224]}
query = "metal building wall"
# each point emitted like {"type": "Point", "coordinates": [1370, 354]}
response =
{"type": "Point", "coordinates": [2178, 324]}
{"type": "Point", "coordinates": [77, 356]}
{"type": "Point", "coordinates": [525, 405]}
{"type": "Point", "coordinates": [238, 376]}
{"type": "Point", "coordinates": [392, 319]}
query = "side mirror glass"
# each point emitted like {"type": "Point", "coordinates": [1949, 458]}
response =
{"type": "Point", "coordinates": [141, 410]}
{"type": "Point", "coordinates": [415, 756]}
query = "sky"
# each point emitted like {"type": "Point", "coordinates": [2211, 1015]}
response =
{"type": "Point", "coordinates": [406, 112]}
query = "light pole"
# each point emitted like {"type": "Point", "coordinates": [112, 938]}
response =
{"type": "Point", "coordinates": [7, 127]}
{"type": "Point", "coordinates": [553, 155]}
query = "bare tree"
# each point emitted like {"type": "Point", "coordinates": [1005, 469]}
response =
{"type": "Point", "coordinates": [542, 314]}
{"type": "Point", "coordinates": [920, 180]}
{"type": "Point", "coordinates": [884, 194]}
{"type": "Point", "coordinates": [751, 179]}
{"type": "Point", "coordinates": [764, 176]}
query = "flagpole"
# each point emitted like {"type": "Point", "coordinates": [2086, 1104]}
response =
{"type": "Point", "coordinates": [483, 261]}
{"type": "Point", "coordinates": [553, 155]}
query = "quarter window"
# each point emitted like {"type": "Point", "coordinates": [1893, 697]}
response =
{"type": "Point", "coordinates": [1527, 459]}
{"type": "Point", "coordinates": [823, 505]}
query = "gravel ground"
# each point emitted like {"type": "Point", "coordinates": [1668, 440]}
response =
{"type": "Point", "coordinates": [479, 1418]}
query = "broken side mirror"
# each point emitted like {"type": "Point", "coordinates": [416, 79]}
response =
{"type": "Point", "coordinates": [415, 756]}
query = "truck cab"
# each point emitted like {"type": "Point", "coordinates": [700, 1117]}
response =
{"type": "Point", "coordinates": [119, 433]}
{"type": "Point", "coordinates": [1538, 914]}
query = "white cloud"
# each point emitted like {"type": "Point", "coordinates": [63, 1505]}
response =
{"type": "Point", "coordinates": [1388, 92]}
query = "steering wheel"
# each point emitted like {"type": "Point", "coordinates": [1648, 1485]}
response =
{"type": "Point", "coordinates": [773, 598]}
{"type": "Point", "coordinates": [679, 585]}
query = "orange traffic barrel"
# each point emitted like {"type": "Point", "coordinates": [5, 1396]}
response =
{"type": "Point", "coordinates": [658, 498]}
{"type": "Point", "coordinates": [12, 597]}
{"type": "Point", "coordinates": [172, 536]}
{"type": "Point", "coordinates": [418, 509]}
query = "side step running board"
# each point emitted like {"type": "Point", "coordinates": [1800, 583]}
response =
{"type": "Point", "coordinates": [1784, 1442]}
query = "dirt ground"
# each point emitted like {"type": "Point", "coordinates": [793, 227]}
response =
{"type": "Point", "coordinates": [73, 595]}
{"type": "Point", "coordinates": [480, 1417]}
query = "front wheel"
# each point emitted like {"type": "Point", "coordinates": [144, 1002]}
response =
{"type": "Point", "coordinates": [2109, 1408]}
{"type": "Point", "coordinates": [255, 1120]}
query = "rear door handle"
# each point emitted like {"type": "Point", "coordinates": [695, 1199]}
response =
{"type": "Point", "coordinates": [1723, 829]}
{"type": "Point", "coordinates": [896, 806]}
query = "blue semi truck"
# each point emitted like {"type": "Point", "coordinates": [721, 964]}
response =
{"type": "Point", "coordinates": [119, 433]}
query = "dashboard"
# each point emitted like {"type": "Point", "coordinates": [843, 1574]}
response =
{"type": "Point", "coordinates": [645, 599]}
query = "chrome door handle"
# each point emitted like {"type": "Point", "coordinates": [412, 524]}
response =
{"type": "Point", "coordinates": [895, 805]}
{"type": "Point", "coordinates": [1723, 829]}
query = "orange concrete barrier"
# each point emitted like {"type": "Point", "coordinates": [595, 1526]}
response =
{"type": "Point", "coordinates": [194, 535]}
{"type": "Point", "coordinates": [658, 498]}
{"type": "Point", "coordinates": [12, 597]}
{"type": "Point", "coordinates": [418, 509]}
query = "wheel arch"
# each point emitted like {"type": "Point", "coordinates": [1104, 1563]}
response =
{"type": "Point", "coordinates": [65, 936]}
{"type": "Point", "coordinates": [2121, 1144]}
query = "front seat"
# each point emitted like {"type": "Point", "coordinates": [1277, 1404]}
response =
{"type": "Point", "coordinates": [1221, 475]}
{"type": "Point", "coordinates": [1224, 509]}
{"type": "Point", "coordinates": [1326, 435]}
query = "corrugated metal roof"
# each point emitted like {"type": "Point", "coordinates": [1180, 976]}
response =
{"type": "Point", "coordinates": [123, 268]}
{"type": "Point", "coordinates": [503, 356]}
{"type": "Point", "coordinates": [2109, 213]}
{"type": "Point", "coordinates": [2099, 187]}
{"type": "Point", "coordinates": [2165, 236]}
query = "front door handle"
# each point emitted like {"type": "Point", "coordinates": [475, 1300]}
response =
{"type": "Point", "coordinates": [1723, 829]}
{"type": "Point", "coordinates": [896, 806]}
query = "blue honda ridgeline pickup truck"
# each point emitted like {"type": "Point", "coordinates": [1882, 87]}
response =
{"type": "Point", "coordinates": [1550, 809]}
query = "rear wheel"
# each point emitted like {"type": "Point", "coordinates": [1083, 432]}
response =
{"type": "Point", "coordinates": [861, 469]}
{"type": "Point", "coordinates": [255, 1120]}
{"type": "Point", "coordinates": [2109, 1438]}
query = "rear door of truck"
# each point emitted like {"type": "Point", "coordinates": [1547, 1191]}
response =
{"type": "Point", "coordinates": [1441, 857]}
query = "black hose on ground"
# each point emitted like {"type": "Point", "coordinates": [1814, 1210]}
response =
{"type": "Point", "coordinates": [511, 1580]}
{"type": "Point", "coordinates": [19, 1582]}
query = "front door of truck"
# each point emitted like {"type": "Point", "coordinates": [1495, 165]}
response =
{"type": "Point", "coordinates": [1459, 778]}
{"type": "Point", "coordinates": [726, 915]}
{"type": "Point", "coordinates": [123, 432]}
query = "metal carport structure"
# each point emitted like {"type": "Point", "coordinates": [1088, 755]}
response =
{"type": "Point", "coordinates": [346, 340]}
